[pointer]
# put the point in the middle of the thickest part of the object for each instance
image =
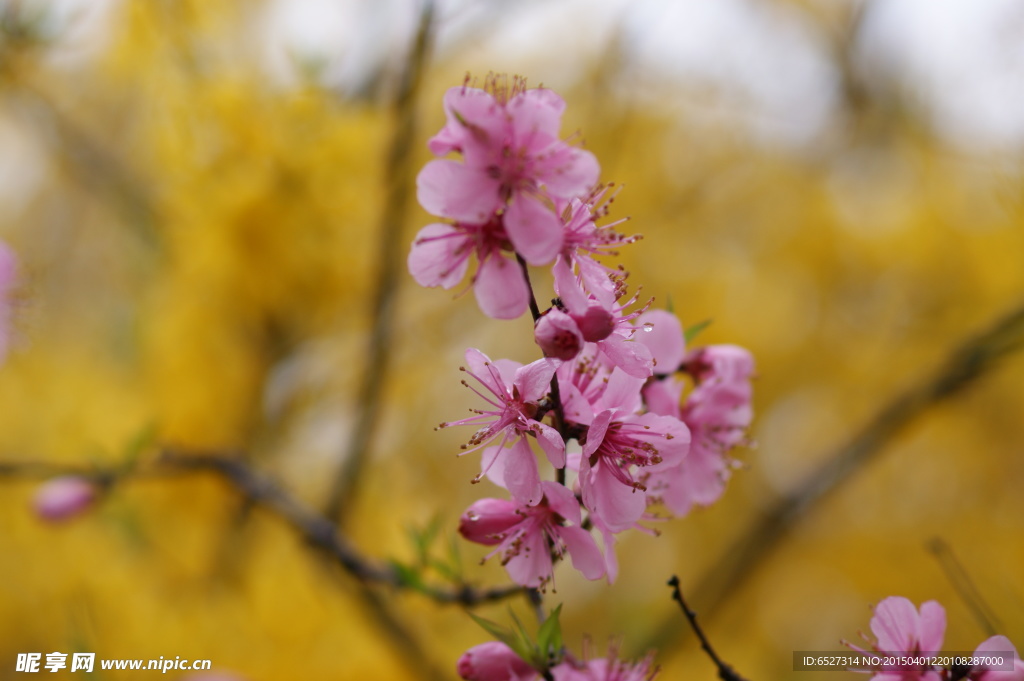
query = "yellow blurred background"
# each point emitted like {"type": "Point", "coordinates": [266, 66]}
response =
{"type": "Point", "coordinates": [198, 238]}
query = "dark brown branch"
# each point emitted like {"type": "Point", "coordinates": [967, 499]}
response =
{"type": "Point", "coordinates": [389, 250]}
{"type": "Point", "coordinates": [964, 366]}
{"type": "Point", "coordinates": [725, 672]}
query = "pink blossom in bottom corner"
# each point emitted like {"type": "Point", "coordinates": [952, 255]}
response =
{"type": "Point", "coordinates": [494, 661]}
{"type": "Point", "coordinates": [607, 669]}
{"type": "Point", "coordinates": [901, 629]}
{"type": "Point", "coordinates": [998, 646]}
{"type": "Point", "coordinates": [63, 498]}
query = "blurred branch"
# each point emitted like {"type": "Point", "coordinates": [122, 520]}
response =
{"type": "Point", "coordinates": [377, 357]}
{"type": "Point", "coordinates": [90, 165]}
{"type": "Point", "coordinates": [964, 586]}
{"type": "Point", "coordinates": [260, 490]}
{"type": "Point", "coordinates": [964, 366]}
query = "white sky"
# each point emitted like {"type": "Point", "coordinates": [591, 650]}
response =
{"type": "Point", "coordinates": [962, 59]}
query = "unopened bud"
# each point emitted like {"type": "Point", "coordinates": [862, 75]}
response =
{"type": "Point", "coordinates": [63, 498]}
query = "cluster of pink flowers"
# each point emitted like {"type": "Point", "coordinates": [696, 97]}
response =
{"type": "Point", "coordinates": [612, 377]}
{"type": "Point", "coordinates": [901, 630]}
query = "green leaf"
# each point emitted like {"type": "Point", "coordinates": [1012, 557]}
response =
{"type": "Point", "coordinates": [670, 305]}
{"type": "Point", "coordinates": [692, 332]}
{"type": "Point", "coordinates": [549, 636]}
{"type": "Point", "coordinates": [510, 638]}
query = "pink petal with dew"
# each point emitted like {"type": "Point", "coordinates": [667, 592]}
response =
{"type": "Point", "coordinates": [536, 118]}
{"type": "Point", "coordinates": [487, 519]}
{"type": "Point", "coordinates": [562, 501]}
{"type": "Point", "coordinates": [453, 190]}
{"type": "Point", "coordinates": [438, 257]}
{"type": "Point", "coordinates": [632, 357]}
{"type": "Point", "coordinates": [500, 289]}
{"type": "Point", "coordinates": [586, 556]}
{"type": "Point", "coordinates": [535, 231]}
{"type": "Point", "coordinates": [534, 379]}
{"type": "Point", "coordinates": [552, 444]}
{"type": "Point", "coordinates": [566, 171]}
{"type": "Point", "coordinates": [521, 476]}
{"type": "Point", "coordinates": [664, 338]}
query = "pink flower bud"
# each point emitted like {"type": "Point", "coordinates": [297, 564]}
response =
{"type": "Point", "coordinates": [596, 323]}
{"type": "Point", "coordinates": [493, 661]}
{"type": "Point", "coordinates": [487, 521]}
{"type": "Point", "coordinates": [558, 336]}
{"type": "Point", "coordinates": [63, 498]}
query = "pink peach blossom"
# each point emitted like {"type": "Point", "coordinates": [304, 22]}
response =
{"type": "Point", "coordinates": [514, 393]}
{"type": "Point", "coordinates": [527, 536]}
{"type": "Point", "coordinates": [513, 164]}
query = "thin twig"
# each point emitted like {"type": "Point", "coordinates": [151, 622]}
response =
{"type": "Point", "coordinates": [315, 529]}
{"type": "Point", "coordinates": [389, 249]}
{"type": "Point", "coordinates": [725, 672]}
{"type": "Point", "coordinates": [963, 367]}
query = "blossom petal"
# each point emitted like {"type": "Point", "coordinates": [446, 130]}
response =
{"type": "Point", "coordinates": [586, 556]}
{"type": "Point", "coordinates": [453, 190]}
{"type": "Point", "coordinates": [522, 478]}
{"type": "Point", "coordinates": [619, 506]}
{"type": "Point", "coordinates": [566, 171]}
{"type": "Point", "coordinates": [931, 627]}
{"type": "Point", "coordinates": [536, 118]}
{"type": "Point", "coordinates": [664, 338]}
{"type": "Point", "coordinates": [486, 520]}
{"type": "Point", "coordinates": [535, 231]}
{"type": "Point", "coordinates": [562, 501]}
{"type": "Point", "coordinates": [534, 379]}
{"type": "Point", "coordinates": [632, 357]}
{"type": "Point", "coordinates": [569, 292]}
{"type": "Point", "coordinates": [438, 256]}
{"type": "Point", "coordinates": [895, 624]}
{"type": "Point", "coordinates": [500, 289]}
{"type": "Point", "coordinates": [552, 444]}
{"type": "Point", "coordinates": [531, 565]}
